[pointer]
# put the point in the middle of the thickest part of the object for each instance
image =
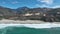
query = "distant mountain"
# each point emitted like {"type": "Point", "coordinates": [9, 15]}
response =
{"type": "Point", "coordinates": [8, 12]}
{"type": "Point", "coordinates": [26, 9]}
{"type": "Point", "coordinates": [54, 11]}
{"type": "Point", "coordinates": [21, 10]}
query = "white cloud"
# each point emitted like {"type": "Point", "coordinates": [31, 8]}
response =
{"type": "Point", "coordinates": [58, 6]}
{"type": "Point", "coordinates": [38, 5]}
{"type": "Point", "coordinates": [15, 2]}
{"type": "Point", "coordinates": [46, 1]}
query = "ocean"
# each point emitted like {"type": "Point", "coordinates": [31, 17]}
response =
{"type": "Point", "coordinates": [48, 28]}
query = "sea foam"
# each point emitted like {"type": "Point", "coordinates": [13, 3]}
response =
{"type": "Point", "coordinates": [45, 25]}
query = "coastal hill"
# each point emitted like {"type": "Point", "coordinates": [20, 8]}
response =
{"type": "Point", "coordinates": [26, 13]}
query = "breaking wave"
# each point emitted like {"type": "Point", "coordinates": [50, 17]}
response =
{"type": "Point", "coordinates": [47, 28]}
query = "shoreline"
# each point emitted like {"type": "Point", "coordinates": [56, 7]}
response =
{"type": "Point", "coordinates": [6, 21]}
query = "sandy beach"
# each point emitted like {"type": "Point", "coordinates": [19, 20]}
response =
{"type": "Point", "coordinates": [6, 21]}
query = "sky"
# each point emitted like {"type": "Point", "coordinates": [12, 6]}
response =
{"type": "Point", "coordinates": [30, 3]}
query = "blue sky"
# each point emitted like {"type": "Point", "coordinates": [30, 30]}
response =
{"type": "Point", "coordinates": [30, 3]}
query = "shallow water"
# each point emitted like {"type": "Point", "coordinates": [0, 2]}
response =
{"type": "Point", "coordinates": [26, 30]}
{"type": "Point", "coordinates": [46, 28]}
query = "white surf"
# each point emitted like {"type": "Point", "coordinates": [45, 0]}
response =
{"type": "Point", "coordinates": [45, 25]}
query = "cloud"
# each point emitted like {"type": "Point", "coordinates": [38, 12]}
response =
{"type": "Point", "coordinates": [46, 1]}
{"type": "Point", "coordinates": [58, 6]}
{"type": "Point", "coordinates": [38, 5]}
{"type": "Point", "coordinates": [15, 2]}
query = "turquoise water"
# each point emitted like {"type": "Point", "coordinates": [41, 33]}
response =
{"type": "Point", "coordinates": [27, 30]}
